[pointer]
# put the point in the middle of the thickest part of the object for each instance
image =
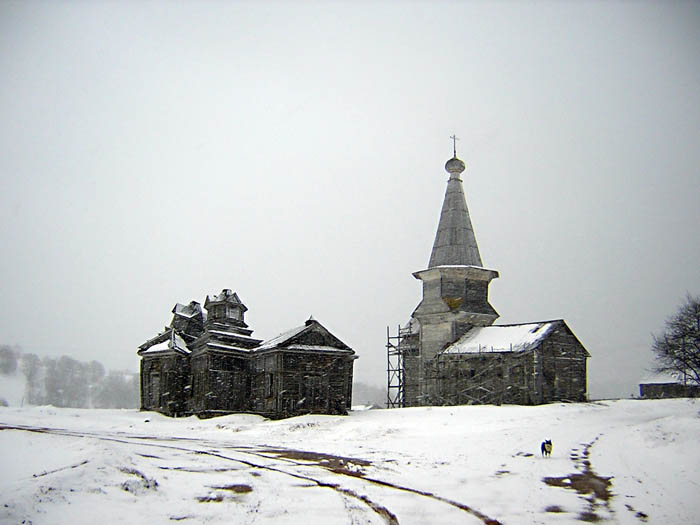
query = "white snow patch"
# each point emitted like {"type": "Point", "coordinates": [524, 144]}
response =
{"type": "Point", "coordinates": [515, 338]}
{"type": "Point", "coordinates": [12, 388]}
{"type": "Point", "coordinates": [246, 469]}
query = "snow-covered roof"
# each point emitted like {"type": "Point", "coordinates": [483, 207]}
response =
{"type": "Point", "coordinates": [318, 348]}
{"type": "Point", "coordinates": [172, 342]}
{"type": "Point", "coordinates": [232, 334]}
{"type": "Point", "coordinates": [189, 310]}
{"type": "Point", "coordinates": [469, 270]}
{"type": "Point", "coordinates": [281, 338]}
{"type": "Point", "coordinates": [506, 338]}
{"type": "Point", "coordinates": [661, 378]}
{"type": "Point", "coordinates": [229, 347]}
{"type": "Point", "coordinates": [226, 295]}
{"type": "Point", "coordinates": [463, 266]}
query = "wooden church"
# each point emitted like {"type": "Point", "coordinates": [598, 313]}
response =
{"type": "Point", "coordinates": [451, 353]}
{"type": "Point", "coordinates": [208, 363]}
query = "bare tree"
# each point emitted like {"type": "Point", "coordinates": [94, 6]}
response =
{"type": "Point", "coordinates": [677, 347]}
{"type": "Point", "coordinates": [33, 370]}
{"type": "Point", "coordinates": [118, 390]}
{"type": "Point", "coordinates": [8, 359]}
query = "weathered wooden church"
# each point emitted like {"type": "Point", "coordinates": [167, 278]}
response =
{"type": "Point", "coordinates": [207, 363]}
{"type": "Point", "coordinates": [451, 353]}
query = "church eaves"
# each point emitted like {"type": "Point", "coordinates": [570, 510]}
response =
{"type": "Point", "coordinates": [455, 242]}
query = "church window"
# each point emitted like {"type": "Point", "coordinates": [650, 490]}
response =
{"type": "Point", "coordinates": [233, 312]}
{"type": "Point", "coordinates": [216, 311]}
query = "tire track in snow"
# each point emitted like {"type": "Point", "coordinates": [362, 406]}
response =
{"type": "Point", "coordinates": [388, 516]}
{"type": "Point", "coordinates": [273, 455]}
{"type": "Point", "coordinates": [345, 472]}
{"type": "Point", "coordinates": [47, 472]}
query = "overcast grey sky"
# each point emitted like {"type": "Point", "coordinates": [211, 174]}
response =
{"type": "Point", "coordinates": [154, 153]}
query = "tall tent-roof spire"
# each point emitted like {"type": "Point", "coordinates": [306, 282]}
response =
{"type": "Point", "coordinates": [455, 242]}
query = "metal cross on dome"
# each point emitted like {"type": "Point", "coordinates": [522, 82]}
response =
{"type": "Point", "coordinates": [454, 138]}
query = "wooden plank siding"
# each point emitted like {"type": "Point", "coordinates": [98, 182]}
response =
{"type": "Point", "coordinates": [554, 371]}
{"type": "Point", "coordinates": [165, 384]}
{"type": "Point", "coordinates": [223, 370]}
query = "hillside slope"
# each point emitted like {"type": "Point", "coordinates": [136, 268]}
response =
{"type": "Point", "coordinates": [626, 461]}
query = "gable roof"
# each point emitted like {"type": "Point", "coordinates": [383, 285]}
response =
{"type": "Point", "coordinates": [293, 339]}
{"type": "Point", "coordinates": [166, 341]}
{"type": "Point", "coordinates": [227, 340]}
{"type": "Point", "coordinates": [189, 311]}
{"type": "Point", "coordinates": [507, 338]}
{"type": "Point", "coordinates": [281, 338]}
{"type": "Point", "coordinates": [662, 378]}
{"type": "Point", "coordinates": [179, 338]}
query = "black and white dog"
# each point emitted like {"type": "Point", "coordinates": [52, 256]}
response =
{"type": "Point", "coordinates": [546, 447]}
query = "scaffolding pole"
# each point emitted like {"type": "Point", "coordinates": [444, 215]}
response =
{"type": "Point", "coordinates": [397, 346]}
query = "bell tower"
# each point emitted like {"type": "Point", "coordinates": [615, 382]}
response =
{"type": "Point", "coordinates": [455, 287]}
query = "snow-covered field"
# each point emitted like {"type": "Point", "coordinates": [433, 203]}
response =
{"type": "Point", "coordinates": [624, 461]}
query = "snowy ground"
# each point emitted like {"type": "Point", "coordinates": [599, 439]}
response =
{"type": "Point", "coordinates": [617, 461]}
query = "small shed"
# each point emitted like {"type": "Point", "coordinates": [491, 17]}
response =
{"type": "Point", "coordinates": [665, 385]}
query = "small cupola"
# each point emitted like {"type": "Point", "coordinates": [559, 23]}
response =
{"type": "Point", "coordinates": [225, 307]}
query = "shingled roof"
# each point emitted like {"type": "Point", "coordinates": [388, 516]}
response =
{"type": "Point", "coordinates": [455, 242]}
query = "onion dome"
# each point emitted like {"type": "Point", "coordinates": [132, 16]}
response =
{"type": "Point", "coordinates": [455, 166]}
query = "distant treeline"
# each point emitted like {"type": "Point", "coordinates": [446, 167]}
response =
{"type": "Point", "coordinates": [67, 382]}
